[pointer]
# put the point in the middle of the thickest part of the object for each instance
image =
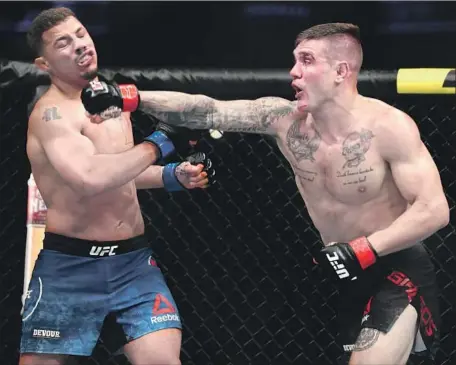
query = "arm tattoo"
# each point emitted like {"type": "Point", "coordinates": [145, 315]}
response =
{"type": "Point", "coordinates": [366, 339]}
{"type": "Point", "coordinates": [202, 112]}
{"type": "Point", "coordinates": [51, 114]}
{"type": "Point", "coordinates": [355, 147]}
{"type": "Point", "coordinates": [302, 145]}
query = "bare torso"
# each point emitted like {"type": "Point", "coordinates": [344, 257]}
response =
{"type": "Point", "coordinates": [346, 185]}
{"type": "Point", "coordinates": [112, 215]}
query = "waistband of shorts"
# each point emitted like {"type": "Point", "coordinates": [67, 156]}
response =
{"type": "Point", "coordinates": [90, 248]}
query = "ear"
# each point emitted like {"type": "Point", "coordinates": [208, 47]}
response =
{"type": "Point", "coordinates": [342, 70]}
{"type": "Point", "coordinates": [42, 64]}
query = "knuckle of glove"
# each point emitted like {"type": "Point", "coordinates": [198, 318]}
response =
{"type": "Point", "coordinates": [201, 158]}
{"type": "Point", "coordinates": [197, 158]}
{"type": "Point", "coordinates": [97, 99]}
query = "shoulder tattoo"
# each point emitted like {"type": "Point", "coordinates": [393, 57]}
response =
{"type": "Point", "coordinates": [355, 147]}
{"type": "Point", "coordinates": [51, 113]}
{"type": "Point", "coordinates": [366, 339]}
{"type": "Point", "coordinates": [302, 145]}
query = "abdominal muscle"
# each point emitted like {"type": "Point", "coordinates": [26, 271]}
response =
{"type": "Point", "coordinates": [110, 216]}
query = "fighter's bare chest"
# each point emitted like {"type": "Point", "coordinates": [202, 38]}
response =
{"type": "Point", "coordinates": [110, 136]}
{"type": "Point", "coordinates": [350, 171]}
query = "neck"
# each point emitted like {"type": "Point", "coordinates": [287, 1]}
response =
{"type": "Point", "coordinates": [332, 119]}
{"type": "Point", "coordinates": [70, 89]}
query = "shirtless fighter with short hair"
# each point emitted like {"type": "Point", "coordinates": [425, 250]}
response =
{"type": "Point", "coordinates": [96, 260]}
{"type": "Point", "coordinates": [367, 180]}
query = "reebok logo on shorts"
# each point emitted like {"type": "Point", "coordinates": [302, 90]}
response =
{"type": "Point", "coordinates": [46, 333]}
{"type": "Point", "coordinates": [164, 318]}
{"type": "Point", "coordinates": [163, 310]}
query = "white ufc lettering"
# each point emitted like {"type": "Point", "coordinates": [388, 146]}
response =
{"type": "Point", "coordinates": [102, 251]}
{"type": "Point", "coordinates": [340, 269]}
{"type": "Point", "coordinates": [349, 348]}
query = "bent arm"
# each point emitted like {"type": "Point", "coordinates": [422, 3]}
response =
{"type": "Point", "coordinates": [151, 178]}
{"type": "Point", "coordinates": [202, 112]}
{"type": "Point", "coordinates": [75, 159]}
{"type": "Point", "coordinates": [418, 180]}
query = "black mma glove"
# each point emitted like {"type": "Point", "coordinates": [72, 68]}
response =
{"type": "Point", "coordinates": [171, 179]}
{"type": "Point", "coordinates": [100, 95]}
{"type": "Point", "coordinates": [170, 139]}
{"type": "Point", "coordinates": [347, 260]}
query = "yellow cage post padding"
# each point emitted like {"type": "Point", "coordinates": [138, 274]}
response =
{"type": "Point", "coordinates": [426, 81]}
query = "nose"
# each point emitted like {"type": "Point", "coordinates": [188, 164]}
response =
{"type": "Point", "coordinates": [295, 72]}
{"type": "Point", "coordinates": [81, 47]}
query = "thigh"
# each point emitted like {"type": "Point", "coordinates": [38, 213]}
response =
{"type": "Point", "coordinates": [40, 359]}
{"type": "Point", "coordinates": [374, 347]}
{"type": "Point", "coordinates": [156, 348]}
{"type": "Point", "coordinates": [63, 312]}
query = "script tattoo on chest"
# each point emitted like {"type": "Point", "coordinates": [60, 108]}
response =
{"type": "Point", "coordinates": [51, 114]}
{"type": "Point", "coordinates": [302, 145]}
{"type": "Point", "coordinates": [354, 176]}
{"type": "Point", "coordinates": [355, 147]}
{"type": "Point", "coordinates": [305, 175]}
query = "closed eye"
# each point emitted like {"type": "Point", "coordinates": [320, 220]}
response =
{"type": "Point", "coordinates": [61, 42]}
{"type": "Point", "coordinates": [81, 32]}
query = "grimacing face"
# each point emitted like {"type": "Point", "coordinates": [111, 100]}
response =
{"type": "Point", "coordinates": [313, 74]}
{"type": "Point", "coordinates": [69, 52]}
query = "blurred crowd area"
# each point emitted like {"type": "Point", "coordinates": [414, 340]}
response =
{"type": "Point", "coordinates": [243, 34]}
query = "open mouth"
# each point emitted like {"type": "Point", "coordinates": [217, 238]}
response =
{"type": "Point", "coordinates": [297, 89]}
{"type": "Point", "coordinates": [85, 59]}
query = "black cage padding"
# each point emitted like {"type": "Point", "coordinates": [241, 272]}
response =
{"type": "Point", "coordinates": [222, 84]}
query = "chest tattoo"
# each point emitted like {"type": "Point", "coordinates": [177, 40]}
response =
{"type": "Point", "coordinates": [355, 147]}
{"type": "Point", "coordinates": [302, 145]}
{"type": "Point", "coordinates": [305, 174]}
{"type": "Point", "coordinates": [354, 176]}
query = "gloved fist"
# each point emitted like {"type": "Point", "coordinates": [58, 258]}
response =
{"type": "Point", "coordinates": [100, 96]}
{"type": "Point", "coordinates": [170, 139]}
{"type": "Point", "coordinates": [196, 172]}
{"type": "Point", "coordinates": [347, 260]}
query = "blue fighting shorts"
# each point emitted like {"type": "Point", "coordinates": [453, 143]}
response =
{"type": "Point", "coordinates": [76, 284]}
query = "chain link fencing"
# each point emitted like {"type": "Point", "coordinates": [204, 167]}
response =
{"type": "Point", "coordinates": [237, 256]}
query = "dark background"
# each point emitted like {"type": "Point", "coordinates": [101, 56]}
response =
{"type": "Point", "coordinates": [244, 34]}
{"type": "Point", "coordinates": [237, 257]}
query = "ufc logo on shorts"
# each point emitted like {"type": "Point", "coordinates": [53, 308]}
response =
{"type": "Point", "coordinates": [102, 251]}
{"type": "Point", "coordinates": [341, 271]}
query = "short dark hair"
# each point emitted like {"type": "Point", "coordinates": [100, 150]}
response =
{"type": "Point", "coordinates": [345, 41]}
{"type": "Point", "coordinates": [44, 21]}
{"type": "Point", "coordinates": [328, 30]}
